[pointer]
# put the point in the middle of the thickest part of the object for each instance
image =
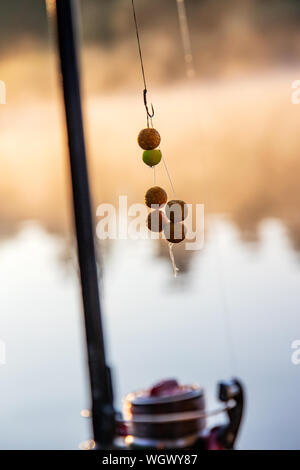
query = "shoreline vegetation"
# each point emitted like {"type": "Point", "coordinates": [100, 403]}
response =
{"type": "Point", "coordinates": [233, 131]}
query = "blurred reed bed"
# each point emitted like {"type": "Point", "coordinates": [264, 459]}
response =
{"type": "Point", "coordinates": [231, 143]}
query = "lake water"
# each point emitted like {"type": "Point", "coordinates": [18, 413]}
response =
{"type": "Point", "coordinates": [233, 311]}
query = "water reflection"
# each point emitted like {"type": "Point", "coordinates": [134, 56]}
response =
{"type": "Point", "coordinates": [156, 326]}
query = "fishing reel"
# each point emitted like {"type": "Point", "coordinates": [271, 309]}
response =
{"type": "Point", "coordinates": [171, 416]}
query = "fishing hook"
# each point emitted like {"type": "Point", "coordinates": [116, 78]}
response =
{"type": "Point", "coordinates": [150, 115]}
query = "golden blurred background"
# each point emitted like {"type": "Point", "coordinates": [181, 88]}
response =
{"type": "Point", "coordinates": [229, 136]}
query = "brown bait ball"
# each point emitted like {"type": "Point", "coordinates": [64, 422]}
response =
{"type": "Point", "coordinates": [156, 221]}
{"type": "Point", "coordinates": [148, 138]}
{"type": "Point", "coordinates": [155, 196]}
{"type": "Point", "coordinates": [175, 233]}
{"type": "Point", "coordinates": [176, 210]}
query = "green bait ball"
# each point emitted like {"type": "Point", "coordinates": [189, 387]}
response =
{"type": "Point", "coordinates": [152, 157]}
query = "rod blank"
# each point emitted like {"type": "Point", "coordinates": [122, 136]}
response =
{"type": "Point", "coordinates": [101, 389]}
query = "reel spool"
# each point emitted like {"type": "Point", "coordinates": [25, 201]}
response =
{"type": "Point", "coordinates": [170, 416]}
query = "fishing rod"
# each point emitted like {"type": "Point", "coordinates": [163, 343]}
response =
{"type": "Point", "coordinates": [103, 415]}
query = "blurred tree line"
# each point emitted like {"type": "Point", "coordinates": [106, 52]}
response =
{"type": "Point", "coordinates": [232, 36]}
{"type": "Point", "coordinates": [107, 21]}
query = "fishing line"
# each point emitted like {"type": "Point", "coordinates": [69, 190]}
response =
{"type": "Point", "coordinates": [139, 44]}
{"type": "Point", "coordinates": [147, 144]}
{"type": "Point", "coordinates": [145, 91]}
{"type": "Point", "coordinates": [173, 417]}
{"type": "Point", "coordinates": [191, 74]}
{"type": "Point", "coordinates": [186, 39]}
{"type": "Point", "coordinates": [226, 311]}
{"type": "Point", "coordinates": [149, 115]}
{"type": "Point", "coordinates": [169, 176]}
{"type": "Point", "coordinates": [175, 269]}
